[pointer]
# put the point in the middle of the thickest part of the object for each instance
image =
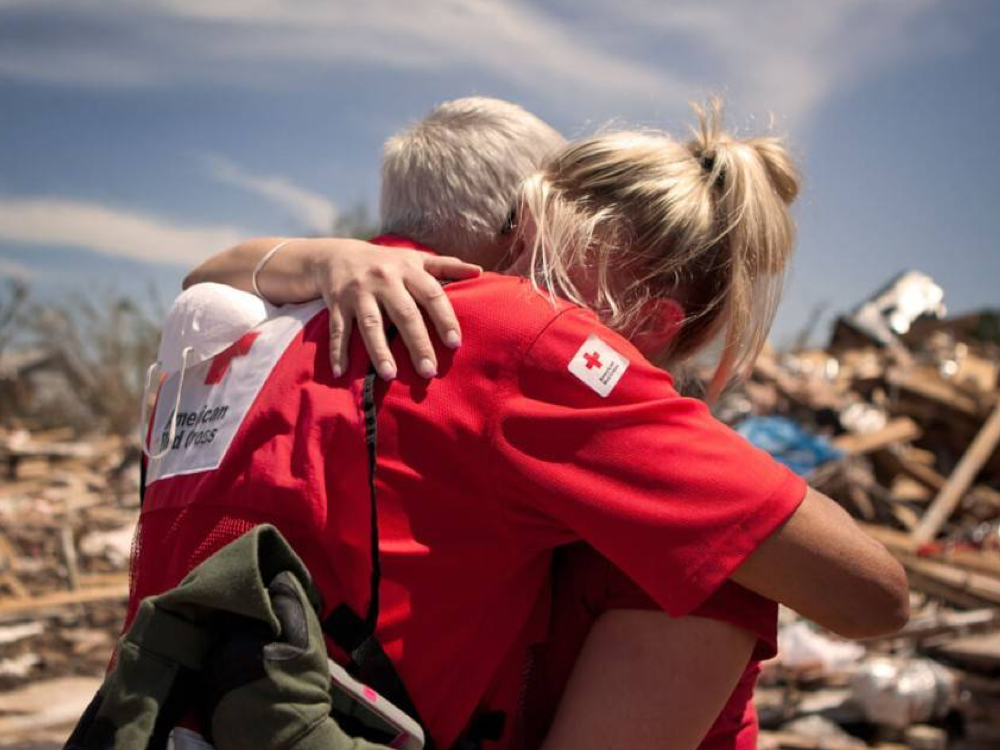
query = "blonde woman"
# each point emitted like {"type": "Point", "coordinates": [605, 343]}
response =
{"type": "Point", "coordinates": [643, 249]}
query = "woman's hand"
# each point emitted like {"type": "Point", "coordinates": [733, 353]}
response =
{"type": "Point", "coordinates": [359, 281]}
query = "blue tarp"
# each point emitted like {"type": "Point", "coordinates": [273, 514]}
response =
{"type": "Point", "coordinates": [788, 442]}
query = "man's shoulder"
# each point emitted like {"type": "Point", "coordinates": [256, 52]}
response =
{"type": "Point", "coordinates": [509, 306]}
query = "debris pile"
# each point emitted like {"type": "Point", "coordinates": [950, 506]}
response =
{"type": "Point", "coordinates": [67, 512]}
{"type": "Point", "coordinates": [898, 419]}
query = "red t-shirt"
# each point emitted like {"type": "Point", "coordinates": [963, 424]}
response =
{"type": "Point", "coordinates": [545, 428]}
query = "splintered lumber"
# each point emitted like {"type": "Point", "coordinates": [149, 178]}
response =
{"type": "Point", "coordinates": [899, 430]}
{"type": "Point", "coordinates": [107, 592]}
{"type": "Point", "coordinates": [12, 583]}
{"type": "Point", "coordinates": [901, 544]}
{"type": "Point", "coordinates": [947, 623]}
{"type": "Point", "coordinates": [982, 648]}
{"type": "Point", "coordinates": [789, 741]}
{"type": "Point", "coordinates": [968, 585]}
{"type": "Point", "coordinates": [910, 490]}
{"type": "Point", "coordinates": [964, 577]}
{"type": "Point", "coordinates": [961, 479]}
{"type": "Point", "coordinates": [908, 462]}
{"type": "Point", "coordinates": [920, 471]}
{"type": "Point", "coordinates": [924, 382]}
{"type": "Point", "coordinates": [942, 591]}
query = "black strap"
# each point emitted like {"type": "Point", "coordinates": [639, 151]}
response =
{"type": "Point", "coordinates": [343, 625]}
{"type": "Point", "coordinates": [369, 662]}
{"type": "Point", "coordinates": [371, 445]}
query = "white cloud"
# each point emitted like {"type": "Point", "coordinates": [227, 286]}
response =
{"type": "Point", "coordinates": [128, 234]}
{"type": "Point", "coordinates": [315, 212]}
{"type": "Point", "coordinates": [241, 41]}
{"type": "Point", "coordinates": [790, 57]}
{"type": "Point", "coordinates": [787, 56]}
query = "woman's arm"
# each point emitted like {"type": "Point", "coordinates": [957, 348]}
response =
{"type": "Point", "coordinates": [354, 278]}
{"type": "Point", "coordinates": [823, 566]}
{"type": "Point", "coordinates": [646, 680]}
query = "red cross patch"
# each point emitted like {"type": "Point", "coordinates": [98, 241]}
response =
{"type": "Point", "coordinates": [598, 365]}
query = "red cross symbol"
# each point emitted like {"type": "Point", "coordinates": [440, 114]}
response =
{"type": "Point", "coordinates": [593, 360]}
{"type": "Point", "coordinates": [220, 363]}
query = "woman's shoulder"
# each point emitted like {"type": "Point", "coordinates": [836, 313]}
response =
{"type": "Point", "coordinates": [507, 306]}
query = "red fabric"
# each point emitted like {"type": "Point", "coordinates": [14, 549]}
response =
{"type": "Point", "coordinates": [482, 472]}
{"type": "Point", "coordinates": [585, 586]}
{"type": "Point", "coordinates": [220, 362]}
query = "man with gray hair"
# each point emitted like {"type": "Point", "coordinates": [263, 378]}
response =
{"type": "Point", "coordinates": [449, 181]}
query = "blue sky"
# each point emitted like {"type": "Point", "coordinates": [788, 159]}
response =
{"type": "Point", "coordinates": [139, 136]}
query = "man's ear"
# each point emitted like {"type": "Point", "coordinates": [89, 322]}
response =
{"type": "Point", "coordinates": [662, 318]}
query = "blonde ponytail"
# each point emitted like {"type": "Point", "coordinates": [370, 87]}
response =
{"type": "Point", "coordinates": [624, 218]}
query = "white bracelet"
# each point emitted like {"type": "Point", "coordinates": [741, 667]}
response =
{"type": "Point", "coordinates": [260, 267]}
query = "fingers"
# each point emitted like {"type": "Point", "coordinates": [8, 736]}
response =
{"type": "Point", "coordinates": [405, 314]}
{"type": "Point", "coordinates": [446, 267]}
{"type": "Point", "coordinates": [430, 295]}
{"type": "Point", "coordinates": [369, 320]}
{"type": "Point", "coordinates": [340, 338]}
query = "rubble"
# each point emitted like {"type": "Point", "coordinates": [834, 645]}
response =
{"type": "Point", "coordinates": [67, 509]}
{"type": "Point", "coordinates": [897, 418]}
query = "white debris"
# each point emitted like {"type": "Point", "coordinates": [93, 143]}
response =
{"type": "Point", "coordinates": [15, 633]}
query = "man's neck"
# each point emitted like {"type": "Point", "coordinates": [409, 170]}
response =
{"type": "Point", "coordinates": [396, 240]}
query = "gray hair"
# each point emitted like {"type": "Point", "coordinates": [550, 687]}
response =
{"type": "Point", "coordinates": [451, 180]}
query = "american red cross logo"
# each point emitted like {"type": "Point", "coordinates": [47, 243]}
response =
{"type": "Point", "coordinates": [220, 363]}
{"type": "Point", "coordinates": [593, 360]}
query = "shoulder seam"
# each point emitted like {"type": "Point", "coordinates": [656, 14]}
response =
{"type": "Point", "coordinates": [531, 344]}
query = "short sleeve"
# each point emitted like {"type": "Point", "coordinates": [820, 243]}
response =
{"type": "Point", "coordinates": [594, 444]}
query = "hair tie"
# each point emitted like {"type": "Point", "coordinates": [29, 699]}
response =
{"type": "Point", "coordinates": [707, 162]}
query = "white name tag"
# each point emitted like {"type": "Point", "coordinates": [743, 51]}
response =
{"type": "Point", "coordinates": [217, 394]}
{"type": "Point", "coordinates": [598, 365]}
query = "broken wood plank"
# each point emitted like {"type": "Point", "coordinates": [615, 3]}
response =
{"type": "Point", "coordinates": [919, 470]}
{"type": "Point", "coordinates": [900, 544]}
{"type": "Point", "coordinates": [899, 430]}
{"type": "Point", "coordinates": [907, 489]}
{"type": "Point", "coordinates": [961, 479]}
{"type": "Point", "coordinates": [944, 592]}
{"type": "Point", "coordinates": [10, 581]}
{"type": "Point", "coordinates": [922, 627]}
{"type": "Point", "coordinates": [785, 740]}
{"type": "Point", "coordinates": [906, 516]}
{"type": "Point", "coordinates": [926, 383]}
{"type": "Point", "coordinates": [912, 462]}
{"type": "Point", "coordinates": [977, 585]}
{"type": "Point", "coordinates": [981, 649]}
{"type": "Point", "coordinates": [65, 598]}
